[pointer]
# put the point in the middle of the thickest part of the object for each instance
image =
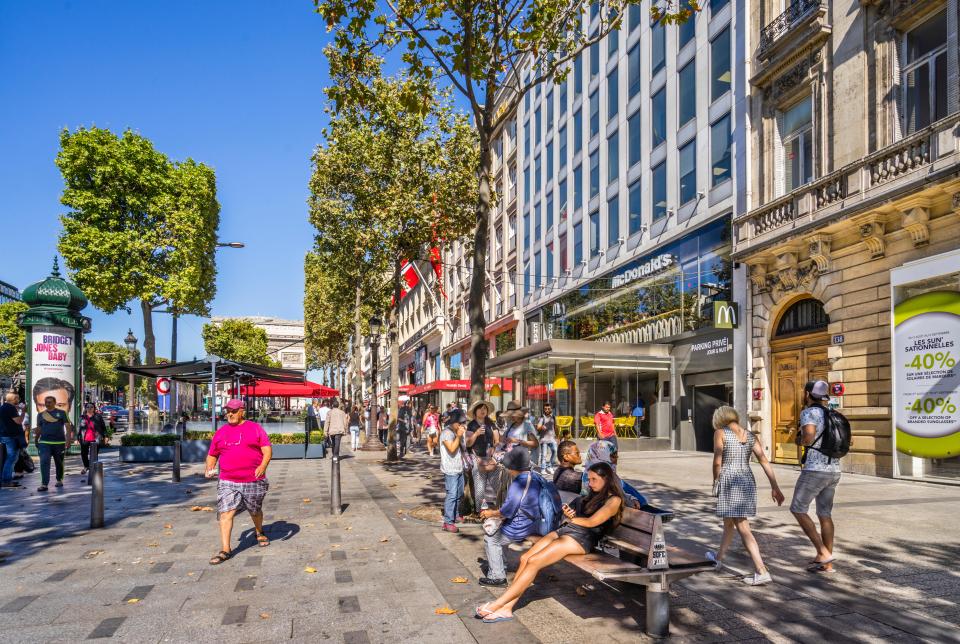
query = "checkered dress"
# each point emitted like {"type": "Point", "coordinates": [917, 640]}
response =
{"type": "Point", "coordinates": [738, 488]}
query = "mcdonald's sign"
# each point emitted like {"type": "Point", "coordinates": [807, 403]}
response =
{"type": "Point", "coordinates": [726, 315]}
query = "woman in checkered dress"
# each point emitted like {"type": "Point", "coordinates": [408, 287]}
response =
{"type": "Point", "coordinates": [736, 489]}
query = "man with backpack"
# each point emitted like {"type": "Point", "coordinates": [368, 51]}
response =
{"type": "Point", "coordinates": [824, 434]}
{"type": "Point", "coordinates": [531, 506]}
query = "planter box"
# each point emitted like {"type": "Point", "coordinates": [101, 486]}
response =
{"type": "Point", "coordinates": [282, 452]}
{"type": "Point", "coordinates": [194, 451]}
{"type": "Point", "coordinates": [155, 454]}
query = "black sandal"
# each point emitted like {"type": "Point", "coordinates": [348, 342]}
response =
{"type": "Point", "coordinates": [220, 557]}
{"type": "Point", "coordinates": [262, 540]}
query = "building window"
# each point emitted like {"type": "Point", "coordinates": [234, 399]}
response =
{"type": "Point", "coordinates": [796, 138]}
{"type": "Point", "coordinates": [526, 278]}
{"type": "Point", "coordinates": [634, 134]}
{"type": "Point", "coordinates": [512, 229]}
{"type": "Point", "coordinates": [526, 230]}
{"type": "Point", "coordinates": [659, 180]}
{"type": "Point", "coordinates": [537, 233]}
{"type": "Point", "coordinates": [658, 47]}
{"type": "Point", "coordinates": [686, 31]}
{"type": "Point", "coordinates": [720, 144]}
{"type": "Point", "coordinates": [613, 43]}
{"type": "Point", "coordinates": [634, 16]}
{"type": "Point", "coordinates": [564, 257]}
{"type": "Point", "coordinates": [562, 138]}
{"type": "Point", "coordinates": [613, 93]}
{"type": "Point", "coordinates": [687, 92]}
{"type": "Point", "coordinates": [537, 175]}
{"type": "Point", "coordinates": [578, 75]}
{"type": "Point", "coordinates": [526, 98]}
{"type": "Point", "coordinates": [613, 157]}
{"type": "Point", "coordinates": [594, 233]}
{"type": "Point", "coordinates": [594, 60]}
{"type": "Point", "coordinates": [578, 243]}
{"type": "Point", "coordinates": [498, 243]}
{"type": "Point", "coordinates": [549, 261]}
{"type": "Point", "coordinates": [806, 316]}
{"type": "Point", "coordinates": [549, 213]}
{"type": "Point", "coordinates": [633, 70]}
{"type": "Point", "coordinates": [537, 270]}
{"type": "Point", "coordinates": [526, 185]}
{"type": "Point", "coordinates": [717, 5]}
{"type": "Point", "coordinates": [537, 127]}
{"type": "Point", "coordinates": [526, 138]}
{"type": "Point", "coordinates": [549, 177]}
{"type": "Point", "coordinates": [924, 80]}
{"type": "Point", "coordinates": [562, 97]}
{"type": "Point", "coordinates": [658, 116]}
{"type": "Point", "coordinates": [549, 100]}
{"type": "Point", "coordinates": [613, 221]}
{"type": "Point", "coordinates": [577, 131]}
{"type": "Point", "coordinates": [594, 113]}
{"type": "Point", "coordinates": [634, 207]}
{"type": "Point", "coordinates": [562, 198]}
{"type": "Point", "coordinates": [578, 187]}
{"type": "Point", "coordinates": [720, 65]}
{"type": "Point", "coordinates": [594, 173]}
{"type": "Point", "coordinates": [688, 172]}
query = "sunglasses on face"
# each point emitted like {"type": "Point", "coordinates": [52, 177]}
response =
{"type": "Point", "coordinates": [234, 411]}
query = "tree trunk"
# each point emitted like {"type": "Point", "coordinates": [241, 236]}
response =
{"type": "Point", "coordinates": [357, 349]}
{"type": "Point", "coordinates": [478, 322]}
{"type": "Point", "coordinates": [394, 320]}
{"type": "Point", "coordinates": [149, 347]}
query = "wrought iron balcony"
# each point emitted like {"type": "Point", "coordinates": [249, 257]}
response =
{"type": "Point", "coordinates": [797, 12]}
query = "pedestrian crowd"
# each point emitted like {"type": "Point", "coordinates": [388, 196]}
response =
{"type": "Point", "coordinates": [519, 470]}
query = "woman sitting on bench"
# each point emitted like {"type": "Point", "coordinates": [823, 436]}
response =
{"type": "Point", "coordinates": [588, 519]}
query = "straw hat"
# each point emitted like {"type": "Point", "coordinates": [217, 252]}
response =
{"type": "Point", "coordinates": [480, 403]}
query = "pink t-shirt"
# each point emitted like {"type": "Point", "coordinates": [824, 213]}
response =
{"type": "Point", "coordinates": [239, 450]}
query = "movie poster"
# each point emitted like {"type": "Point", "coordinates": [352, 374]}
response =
{"type": "Point", "coordinates": [52, 368]}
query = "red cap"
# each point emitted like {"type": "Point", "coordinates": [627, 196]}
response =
{"type": "Point", "coordinates": [234, 403]}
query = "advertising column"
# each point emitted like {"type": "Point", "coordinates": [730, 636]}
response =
{"type": "Point", "coordinates": [53, 368]}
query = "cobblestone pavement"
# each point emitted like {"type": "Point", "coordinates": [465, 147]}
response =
{"type": "Point", "coordinates": [380, 575]}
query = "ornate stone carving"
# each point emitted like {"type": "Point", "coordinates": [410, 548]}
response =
{"type": "Point", "coordinates": [791, 79]}
{"type": "Point", "coordinates": [916, 222]}
{"type": "Point", "coordinates": [758, 275]}
{"type": "Point", "coordinates": [819, 247]}
{"type": "Point", "coordinates": [955, 200]}
{"type": "Point", "coordinates": [786, 266]}
{"type": "Point", "coordinates": [871, 234]}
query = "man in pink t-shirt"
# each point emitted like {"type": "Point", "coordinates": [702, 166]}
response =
{"type": "Point", "coordinates": [243, 451]}
{"type": "Point", "coordinates": [603, 419]}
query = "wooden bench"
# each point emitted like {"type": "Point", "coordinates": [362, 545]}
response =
{"type": "Point", "coordinates": [637, 553]}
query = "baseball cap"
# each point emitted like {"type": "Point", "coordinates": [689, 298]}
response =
{"type": "Point", "coordinates": [234, 403]}
{"type": "Point", "coordinates": [819, 390]}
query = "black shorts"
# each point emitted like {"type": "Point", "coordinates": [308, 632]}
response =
{"type": "Point", "coordinates": [583, 536]}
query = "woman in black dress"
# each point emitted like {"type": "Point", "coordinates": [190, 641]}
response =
{"type": "Point", "coordinates": [588, 520]}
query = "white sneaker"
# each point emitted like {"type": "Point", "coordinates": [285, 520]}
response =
{"type": "Point", "coordinates": [756, 579]}
{"type": "Point", "coordinates": [712, 556]}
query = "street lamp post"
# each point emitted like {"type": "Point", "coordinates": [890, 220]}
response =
{"type": "Point", "coordinates": [131, 342]}
{"type": "Point", "coordinates": [372, 443]}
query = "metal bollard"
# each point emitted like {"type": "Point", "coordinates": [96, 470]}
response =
{"type": "Point", "coordinates": [96, 495]}
{"type": "Point", "coordinates": [335, 506]}
{"type": "Point", "coordinates": [176, 461]}
{"type": "Point", "coordinates": [94, 457]}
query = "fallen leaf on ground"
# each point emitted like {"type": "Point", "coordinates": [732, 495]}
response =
{"type": "Point", "coordinates": [153, 545]}
{"type": "Point", "coordinates": [384, 539]}
{"type": "Point", "coordinates": [310, 569]}
{"type": "Point", "coordinates": [308, 525]}
{"type": "Point", "coordinates": [334, 545]}
{"type": "Point", "coordinates": [92, 554]}
{"type": "Point", "coordinates": [392, 485]}
{"type": "Point", "coordinates": [399, 512]}
{"type": "Point", "coordinates": [581, 591]}
{"type": "Point", "coordinates": [306, 500]}
{"type": "Point", "coordinates": [167, 526]}
{"type": "Point", "coordinates": [133, 600]}
{"type": "Point", "coordinates": [189, 574]}
{"type": "Point", "coordinates": [363, 548]}
{"type": "Point", "coordinates": [459, 580]}
{"type": "Point", "coordinates": [201, 508]}
{"type": "Point", "coordinates": [264, 615]}
{"type": "Point", "coordinates": [445, 610]}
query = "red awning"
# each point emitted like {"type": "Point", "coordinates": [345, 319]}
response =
{"type": "Point", "coordinates": [270, 388]}
{"type": "Point", "coordinates": [506, 384]}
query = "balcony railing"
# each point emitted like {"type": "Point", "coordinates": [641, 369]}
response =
{"type": "Point", "coordinates": [865, 179]}
{"type": "Point", "coordinates": [795, 13]}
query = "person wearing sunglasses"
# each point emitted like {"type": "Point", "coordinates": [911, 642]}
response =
{"type": "Point", "coordinates": [243, 451]}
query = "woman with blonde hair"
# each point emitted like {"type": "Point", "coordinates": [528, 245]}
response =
{"type": "Point", "coordinates": [431, 425]}
{"type": "Point", "coordinates": [736, 489]}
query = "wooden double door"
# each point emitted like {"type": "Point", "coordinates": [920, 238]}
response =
{"type": "Point", "coordinates": [794, 363]}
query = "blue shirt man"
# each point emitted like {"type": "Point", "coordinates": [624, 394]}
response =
{"type": "Point", "coordinates": [520, 509]}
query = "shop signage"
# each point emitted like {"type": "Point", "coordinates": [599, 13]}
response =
{"type": "Point", "coordinates": [726, 315]}
{"type": "Point", "coordinates": [837, 389]}
{"type": "Point", "coordinates": [712, 347]}
{"type": "Point", "coordinates": [652, 266]}
{"type": "Point", "coordinates": [926, 351]}
{"type": "Point", "coordinates": [650, 332]}
{"type": "Point", "coordinates": [838, 339]}
{"type": "Point", "coordinates": [758, 394]}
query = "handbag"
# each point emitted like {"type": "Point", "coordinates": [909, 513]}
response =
{"type": "Point", "coordinates": [24, 464]}
{"type": "Point", "coordinates": [491, 525]}
{"type": "Point", "coordinates": [716, 488]}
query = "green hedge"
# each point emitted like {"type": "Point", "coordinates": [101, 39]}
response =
{"type": "Point", "coordinates": [147, 440]}
{"type": "Point", "coordinates": [296, 439]}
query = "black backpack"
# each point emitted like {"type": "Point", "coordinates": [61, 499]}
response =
{"type": "Point", "coordinates": [836, 435]}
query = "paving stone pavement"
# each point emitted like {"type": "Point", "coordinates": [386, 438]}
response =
{"type": "Point", "coordinates": [381, 574]}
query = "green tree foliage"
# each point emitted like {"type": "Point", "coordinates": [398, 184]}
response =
{"type": "Point", "coordinates": [492, 53]}
{"type": "Point", "coordinates": [139, 226]}
{"type": "Point", "coordinates": [238, 340]}
{"type": "Point", "coordinates": [395, 177]}
{"type": "Point", "coordinates": [12, 339]}
{"type": "Point", "coordinates": [100, 361]}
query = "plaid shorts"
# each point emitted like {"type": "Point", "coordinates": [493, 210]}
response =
{"type": "Point", "coordinates": [241, 496]}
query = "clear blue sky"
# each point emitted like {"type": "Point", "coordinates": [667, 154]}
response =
{"type": "Point", "coordinates": [237, 85]}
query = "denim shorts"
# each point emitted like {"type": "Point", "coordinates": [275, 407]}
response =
{"type": "Point", "coordinates": [815, 485]}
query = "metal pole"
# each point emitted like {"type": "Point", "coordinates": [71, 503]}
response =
{"type": "Point", "coordinates": [176, 461]}
{"type": "Point", "coordinates": [96, 496]}
{"type": "Point", "coordinates": [94, 457]}
{"type": "Point", "coordinates": [658, 610]}
{"type": "Point", "coordinates": [335, 503]}
{"type": "Point", "coordinates": [131, 399]}
{"type": "Point", "coordinates": [175, 393]}
{"type": "Point", "coordinates": [213, 396]}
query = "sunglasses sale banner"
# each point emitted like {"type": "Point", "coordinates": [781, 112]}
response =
{"type": "Point", "coordinates": [926, 352]}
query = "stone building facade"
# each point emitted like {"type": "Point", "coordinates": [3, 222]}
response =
{"type": "Point", "coordinates": [855, 118]}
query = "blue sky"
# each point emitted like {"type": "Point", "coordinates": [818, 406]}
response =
{"type": "Point", "coordinates": [237, 85]}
